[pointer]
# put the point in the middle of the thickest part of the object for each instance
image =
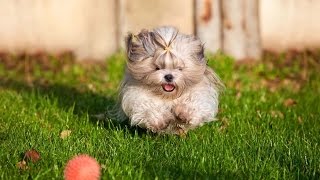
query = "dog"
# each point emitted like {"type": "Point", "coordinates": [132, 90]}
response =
{"type": "Point", "coordinates": [168, 87]}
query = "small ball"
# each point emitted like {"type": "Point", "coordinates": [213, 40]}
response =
{"type": "Point", "coordinates": [82, 167]}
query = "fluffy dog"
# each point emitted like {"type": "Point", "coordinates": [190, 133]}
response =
{"type": "Point", "coordinates": [168, 87]}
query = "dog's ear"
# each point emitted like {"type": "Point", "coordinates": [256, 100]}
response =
{"type": "Point", "coordinates": [200, 54]}
{"type": "Point", "coordinates": [128, 43]}
{"type": "Point", "coordinates": [135, 50]}
{"type": "Point", "coordinates": [139, 46]}
{"type": "Point", "coordinates": [198, 49]}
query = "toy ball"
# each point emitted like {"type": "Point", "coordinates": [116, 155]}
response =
{"type": "Point", "coordinates": [82, 167]}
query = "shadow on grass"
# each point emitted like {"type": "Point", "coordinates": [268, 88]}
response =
{"type": "Point", "coordinates": [177, 172]}
{"type": "Point", "coordinates": [82, 102]}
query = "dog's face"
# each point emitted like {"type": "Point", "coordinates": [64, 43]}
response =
{"type": "Point", "coordinates": [165, 61]}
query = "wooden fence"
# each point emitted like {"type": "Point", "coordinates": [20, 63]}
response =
{"type": "Point", "coordinates": [94, 29]}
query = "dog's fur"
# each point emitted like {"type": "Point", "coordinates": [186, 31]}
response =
{"type": "Point", "coordinates": [167, 86]}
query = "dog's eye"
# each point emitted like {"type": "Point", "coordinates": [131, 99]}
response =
{"type": "Point", "coordinates": [157, 68]}
{"type": "Point", "coordinates": [180, 68]}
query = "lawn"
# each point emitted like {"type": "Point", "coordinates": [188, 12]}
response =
{"type": "Point", "coordinates": [268, 123]}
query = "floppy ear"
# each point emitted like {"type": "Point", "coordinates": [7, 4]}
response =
{"type": "Point", "coordinates": [135, 51]}
{"type": "Point", "coordinates": [200, 54]}
{"type": "Point", "coordinates": [128, 43]}
{"type": "Point", "coordinates": [139, 46]}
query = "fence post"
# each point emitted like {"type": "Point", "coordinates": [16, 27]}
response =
{"type": "Point", "coordinates": [241, 33]}
{"type": "Point", "coordinates": [121, 22]}
{"type": "Point", "coordinates": [208, 23]}
{"type": "Point", "coordinates": [252, 20]}
{"type": "Point", "coordinates": [233, 28]}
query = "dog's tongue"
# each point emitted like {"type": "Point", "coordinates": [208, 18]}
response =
{"type": "Point", "coordinates": [168, 87]}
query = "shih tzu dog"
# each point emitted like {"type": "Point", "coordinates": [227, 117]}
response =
{"type": "Point", "coordinates": [168, 87]}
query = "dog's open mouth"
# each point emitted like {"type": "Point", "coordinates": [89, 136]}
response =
{"type": "Point", "coordinates": [168, 87]}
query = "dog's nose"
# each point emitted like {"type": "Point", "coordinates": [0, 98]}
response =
{"type": "Point", "coordinates": [168, 77]}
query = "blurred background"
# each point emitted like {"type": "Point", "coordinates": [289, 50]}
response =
{"type": "Point", "coordinates": [95, 29]}
{"type": "Point", "coordinates": [62, 61]}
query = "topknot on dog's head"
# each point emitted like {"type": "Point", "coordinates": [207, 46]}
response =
{"type": "Point", "coordinates": [164, 37]}
{"type": "Point", "coordinates": [163, 40]}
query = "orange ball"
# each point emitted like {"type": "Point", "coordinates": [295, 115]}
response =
{"type": "Point", "coordinates": [82, 167]}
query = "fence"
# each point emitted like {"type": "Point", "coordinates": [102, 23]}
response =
{"type": "Point", "coordinates": [95, 29]}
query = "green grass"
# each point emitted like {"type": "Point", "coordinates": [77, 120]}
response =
{"type": "Point", "coordinates": [257, 135]}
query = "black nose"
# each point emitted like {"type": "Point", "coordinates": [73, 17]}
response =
{"type": "Point", "coordinates": [168, 77]}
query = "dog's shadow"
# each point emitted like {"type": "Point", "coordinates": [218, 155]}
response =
{"type": "Point", "coordinates": [82, 102]}
{"type": "Point", "coordinates": [100, 108]}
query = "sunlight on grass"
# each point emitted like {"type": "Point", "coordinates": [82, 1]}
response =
{"type": "Point", "coordinates": [267, 128]}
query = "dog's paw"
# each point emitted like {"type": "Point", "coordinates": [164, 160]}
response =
{"type": "Point", "coordinates": [182, 113]}
{"type": "Point", "coordinates": [158, 125]}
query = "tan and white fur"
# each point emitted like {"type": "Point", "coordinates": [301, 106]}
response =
{"type": "Point", "coordinates": [168, 87]}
